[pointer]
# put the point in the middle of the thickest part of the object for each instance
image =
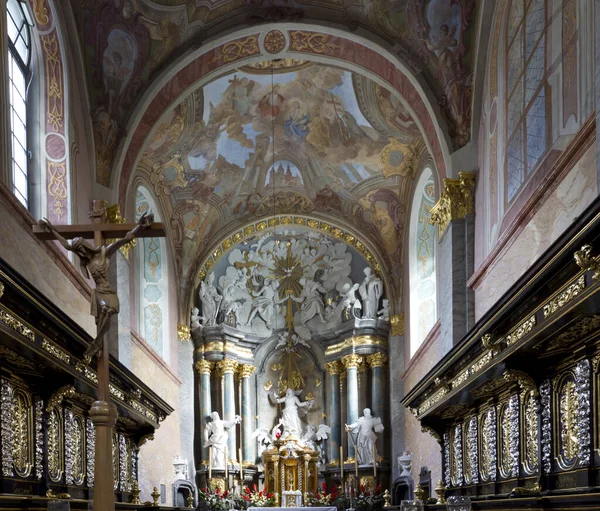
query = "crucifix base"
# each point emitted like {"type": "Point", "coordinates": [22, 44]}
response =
{"type": "Point", "coordinates": [104, 417]}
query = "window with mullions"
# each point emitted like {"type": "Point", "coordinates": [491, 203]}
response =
{"type": "Point", "coordinates": [19, 56]}
{"type": "Point", "coordinates": [526, 88]}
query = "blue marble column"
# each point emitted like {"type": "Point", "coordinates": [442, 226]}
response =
{"type": "Point", "coordinates": [352, 363]}
{"type": "Point", "coordinates": [227, 369]}
{"type": "Point", "coordinates": [334, 369]}
{"type": "Point", "coordinates": [245, 371]}
{"type": "Point", "coordinates": [377, 362]}
{"type": "Point", "coordinates": [204, 367]}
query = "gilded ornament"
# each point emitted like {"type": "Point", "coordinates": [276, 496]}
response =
{"type": "Point", "coordinates": [17, 325]}
{"type": "Point", "coordinates": [435, 398]}
{"type": "Point", "coordinates": [440, 490]}
{"type": "Point", "coordinates": [334, 367]}
{"type": "Point", "coordinates": [39, 439]}
{"type": "Point", "coordinates": [583, 385]}
{"type": "Point", "coordinates": [1, 289]}
{"type": "Point", "coordinates": [155, 496]}
{"type": "Point", "coordinates": [569, 438]}
{"type": "Point", "coordinates": [586, 262]}
{"type": "Point", "coordinates": [456, 457]}
{"type": "Point", "coordinates": [377, 360]}
{"type": "Point", "coordinates": [525, 382]}
{"type": "Point", "coordinates": [225, 366]}
{"type": "Point", "coordinates": [546, 440]}
{"type": "Point", "coordinates": [57, 188]}
{"type": "Point", "coordinates": [57, 398]}
{"type": "Point", "coordinates": [446, 459]}
{"type": "Point", "coordinates": [55, 445]}
{"type": "Point", "coordinates": [22, 455]}
{"type": "Point", "coordinates": [190, 501]}
{"type": "Point", "coordinates": [455, 202]}
{"type": "Point", "coordinates": [566, 340]}
{"type": "Point", "coordinates": [17, 360]}
{"type": "Point", "coordinates": [419, 492]}
{"type": "Point", "coordinates": [431, 431]}
{"type": "Point", "coordinates": [492, 345]}
{"type": "Point", "coordinates": [310, 42]}
{"type": "Point", "coordinates": [113, 216]}
{"type": "Point", "coordinates": [41, 12]}
{"type": "Point", "coordinates": [6, 421]}
{"type": "Point", "coordinates": [56, 351]}
{"type": "Point", "coordinates": [352, 361]}
{"type": "Point", "coordinates": [531, 451]}
{"type": "Point", "coordinates": [183, 333]}
{"type": "Point", "coordinates": [521, 331]}
{"type": "Point", "coordinates": [398, 159]}
{"type": "Point", "coordinates": [135, 493]}
{"type": "Point", "coordinates": [246, 370]}
{"type": "Point", "coordinates": [397, 324]}
{"type": "Point", "coordinates": [157, 176]}
{"type": "Point", "coordinates": [236, 50]}
{"type": "Point", "coordinates": [564, 297]}
{"type": "Point", "coordinates": [203, 366]}
{"type": "Point", "coordinates": [69, 447]}
{"type": "Point", "coordinates": [387, 498]}
{"type": "Point", "coordinates": [274, 41]}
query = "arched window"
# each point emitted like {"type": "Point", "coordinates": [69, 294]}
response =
{"type": "Point", "coordinates": [421, 263]}
{"type": "Point", "coordinates": [527, 126]}
{"type": "Point", "coordinates": [19, 57]}
{"type": "Point", "coordinates": [153, 282]}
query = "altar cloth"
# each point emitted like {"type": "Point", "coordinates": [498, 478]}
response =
{"type": "Point", "coordinates": [325, 508]}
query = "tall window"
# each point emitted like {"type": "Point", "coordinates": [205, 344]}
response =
{"type": "Point", "coordinates": [421, 263]}
{"type": "Point", "coordinates": [152, 275]}
{"type": "Point", "coordinates": [527, 123]}
{"type": "Point", "coordinates": [19, 56]}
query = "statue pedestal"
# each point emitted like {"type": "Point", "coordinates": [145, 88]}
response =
{"type": "Point", "coordinates": [290, 467]}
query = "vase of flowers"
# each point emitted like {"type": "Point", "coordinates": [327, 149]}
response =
{"type": "Point", "coordinates": [321, 497]}
{"type": "Point", "coordinates": [215, 500]}
{"type": "Point", "coordinates": [256, 498]}
{"type": "Point", "coordinates": [368, 499]}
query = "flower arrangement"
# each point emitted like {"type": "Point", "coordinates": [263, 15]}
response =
{"type": "Point", "coordinates": [369, 499]}
{"type": "Point", "coordinates": [216, 500]}
{"type": "Point", "coordinates": [321, 497]}
{"type": "Point", "coordinates": [257, 498]}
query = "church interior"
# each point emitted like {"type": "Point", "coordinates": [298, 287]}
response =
{"type": "Point", "coordinates": [288, 253]}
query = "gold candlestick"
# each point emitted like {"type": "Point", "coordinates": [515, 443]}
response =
{"type": "Point", "coordinates": [419, 492]}
{"type": "Point", "coordinates": [135, 493]}
{"type": "Point", "coordinates": [155, 496]}
{"type": "Point", "coordinates": [190, 501]}
{"type": "Point", "coordinates": [440, 489]}
{"type": "Point", "coordinates": [387, 498]}
{"type": "Point", "coordinates": [342, 465]}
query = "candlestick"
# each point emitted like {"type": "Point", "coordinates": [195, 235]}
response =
{"type": "Point", "coordinates": [375, 462]}
{"type": "Point", "coordinates": [241, 466]}
{"type": "Point", "coordinates": [210, 463]}
{"type": "Point", "coordinates": [226, 470]}
{"type": "Point", "coordinates": [356, 465]}
{"type": "Point", "coordinates": [342, 464]}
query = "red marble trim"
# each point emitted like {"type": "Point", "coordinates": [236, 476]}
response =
{"type": "Point", "coordinates": [55, 253]}
{"type": "Point", "coordinates": [139, 341]}
{"type": "Point", "coordinates": [339, 48]}
{"type": "Point", "coordinates": [432, 336]}
{"type": "Point", "coordinates": [562, 164]}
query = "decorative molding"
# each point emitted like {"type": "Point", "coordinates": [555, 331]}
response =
{"type": "Point", "coordinates": [354, 342]}
{"type": "Point", "coordinates": [583, 431]}
{"type": "Point", "coordinates": [525, 382]}
{"type": "Point", "coordinates": [203, 366]}
{"type": "Point", "coordinates": [245, 370]}
{"type": "Point", "coordinates": [564, 297]}
{"type": "Point", "coordinates": [184, 333]}
{"type": "Point", "coordinates": [377, 360]}
{"type": "Point", "coordinates": [39, 438]}
{"type": "Point", "coordinates": [1, 289]}
{"type": "Point", "coordinates": [397, 322]}
{"type": "Point", "coordinates": [546, 440]}
{"type": "Point", "coordinates": [455, 202]}
{"type": "Point", "coordinates": [6, 427]}
{"type": "Point", "coordinates": [352, 361]}
{"type": "Point", "coordinates": [521, 331]}
{"type": "Point", "coordinates": [16, 324]}
{"type": "Point", "coordinates": [334, 368]}
{"type": "Point", "coordinates": [566, 340]}
{"type": "Point", "coordinates": [57, 398]}
{"type": "Point", "coordinates": [226, 366]}
{"type": "Point", "coordinates": [56, 351]}
{"type": "Point", "coordinates": [586, 262]}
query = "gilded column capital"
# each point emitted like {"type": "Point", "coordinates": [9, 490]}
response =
{"type": "Point", "coordinates": [246, 370]}
{"type": "Point", "coordinates": [377, 360]}
{"type": "Point", "coordinates": [456, 200]}
{"type": "Point", "coordinates": [352, 361]}
{"type": "Point", "coordinates": [203, 366]}
{"type": "Point", "coordinates": [227, 365]}
{"type": "Point", "coordinates": [183, 333]}
{"type": "Point", "coordinates": [334, 367]}
{"type": "Point", "coordinates": [397, 321]}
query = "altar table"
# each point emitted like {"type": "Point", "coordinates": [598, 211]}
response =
{"type": "Point", "coordinates": [325, 508]}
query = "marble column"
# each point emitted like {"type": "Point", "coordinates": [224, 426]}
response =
{"type": "Point", "coordinates": [5, 141]}
{"type": "Point", "coordinates": [226, 368]}
{"type": "Point", "coordinates": [203, 368]}
{"type": "Point", "coordinates": [377, 362]}
{"type": "Point", "coordinates": [245, 371]}
{"type": "Point", "coordinates": [352, 363]}
{"type": "Point", "coordinates": [334, 369]}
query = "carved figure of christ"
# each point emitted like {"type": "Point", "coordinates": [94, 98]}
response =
{"type": "Point", "coordinates": [95, 262]}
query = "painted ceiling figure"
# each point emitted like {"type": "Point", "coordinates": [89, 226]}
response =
{"type": "Point", "coordinates": [270, 103]}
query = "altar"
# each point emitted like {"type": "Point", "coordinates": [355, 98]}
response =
{"type": "Point", "coordinates": [326, 508]}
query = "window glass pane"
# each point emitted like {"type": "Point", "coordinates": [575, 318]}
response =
{"type": "Point", "coordinates": [534, 24]}
{"type": "Point", "coordinates": [515, 61]}
{"type": "Point", "coordinates": [18, 78]}
{"type": "Point", "coordinates": [19, 154]}
{"type": "Point", "coordinates": [19, 106]}
{"type": "Point", "coordinates": [22, 49]}
{"type": "Point", "coordinates": [13, 30]}
{"type": "Point", "coordinates": [536, 131]}
{"type": "Point", "coordinates": [535, 71]}
{"type": "Point", "coordinates": [514, 19]}
{"type": "Point", "coordinates": [515, 109]}
{"type": "Point", "coordinates": [515, 164]}
{"type": "Point", "coordinates": [19, 130]}
{"type": "Point", "coordinates": [20, 182]}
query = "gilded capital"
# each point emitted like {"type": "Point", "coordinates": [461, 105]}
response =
{"type": "Point", "coordinates": [334, 367]}
{"type": "Point", "coordinates": [203, 366]}
{"type": "Point", "coordinates": [246, 370]}
{"type": "Point", "coordinates": [397, 321]}
{"type": "Point", "coordinates": [352, 361]}
{"type": "Point", "coordinates": [227, 365]}
{"type": "Point", "coordinates": [456, 200]}
{"type": "Point", "coordinates": [377, 360]}
{"type": "Point", "coordinates": [183, 333]}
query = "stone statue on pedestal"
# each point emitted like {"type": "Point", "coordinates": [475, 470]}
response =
{"type": "Point", "coordinates": [291, 413]}
{"type": "Point", "coordinates": [370, 290]}
{"type": "Point", "coordinates": [211, 300]}
{"type": "Point", "coordinates": [215, 436]}
{"type": "Point", "coordinates": [366, 429]}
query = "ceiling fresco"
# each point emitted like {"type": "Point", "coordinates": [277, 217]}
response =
{"type": "Point", "coordinates": [307, 139]}
{"type": "Point", "coordinates": [127, 42]}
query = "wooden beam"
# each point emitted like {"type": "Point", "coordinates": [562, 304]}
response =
{"type": "Point", "coordinates": [109, 231]}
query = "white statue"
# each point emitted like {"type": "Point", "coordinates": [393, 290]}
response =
{"type": "Point", "coordinates": [211, 299]}
{"type": "Point", "coordinates": [264, 303]}
{"type": "Point", "coordinates": [311, 300]}
{"type": "Point", "coordinates": [181, 468]}
{"type": "Point", "coordinates": [314, 436]}
{"type": "Point", "coordinates": [291, 413]}
{"type": "Point", "coordinates": [366, 429]}
{"type": "Point", "coordinates": [195, 318]}
{"type": "Point", "coordinates": [216, 436]}
{"type": "Point", "coordinates": [370, 291]}
{"type": "Point", "coordinates": [384, 312]}
{"type": "Point", "coordinates": [231, 305]}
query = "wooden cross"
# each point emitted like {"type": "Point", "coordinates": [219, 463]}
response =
{"type": "Point", "coordinates": [95, 260]}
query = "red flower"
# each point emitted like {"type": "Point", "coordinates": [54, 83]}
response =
{"type": "Point", "coordinates": [247, 490]}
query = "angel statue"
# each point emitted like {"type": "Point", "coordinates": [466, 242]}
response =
{"type": "Point", "coordinates": [291, 413]}
{"type": "Point", "coordinates": [266, 438]}
{"type": "Point", "coordinates": [315, 435]}
{"type": "Point", "coordinates": [216, 436]}
{"type": "Point", "coordinates": [366, 429]}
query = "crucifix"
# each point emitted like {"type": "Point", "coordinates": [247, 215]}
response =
{"type": "Point", "coordinates": [94, 260]}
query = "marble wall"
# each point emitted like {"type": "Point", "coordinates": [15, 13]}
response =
{"type": "Point", "coordinates": [156, 456]}
{"type": "Point", "coordinates": [561, 207]}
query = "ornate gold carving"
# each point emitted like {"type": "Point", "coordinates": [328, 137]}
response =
{"type": "Point", "coordinates": [57, 398]}
{"type": "Point", "coordinates": [135, 493]}
{"type": "Point", "coordinates": [435, 398]}
{"type": "Point", "coordinates": [525, 382]}
{"type": "Point", "coordinates": [115, 458]}
{"type": "Point", "coordinates": [569, 427]}
{"type": "Point", "coordinates": [352, 361]}
{"type": "Point", "coordinates": [157, 178]}
{"type": "Point", "coordinates": [520, 490]}
{"type": "Point", "coordinates": [1, 289]}
{"type": "Point", "coordinates": [236, 50]}
{"type": "Point", "coordinates": [227, 365]}
{"type": "Point", "coordinates": [456, 200]}
{"type": "Point", "coordinates": [113, 216]}
{"type": "Point", "coordinates": [78, 446]}
{"type": "Point", "coordinates": [22, 448]}
{"type": "Point", "coordinates": [334, 367]}
{"type": "Point", "coordinates": [565, 297]}
{"type": "Point", "coordinates": [440, 490]}
{"type": "Point", "coordinates": [183, 333]}
{"type": "Point", "coordinates": [586, 262]}
{"type": "Point", "coordinates": [432, 432]}
{"type": "Point", "coordinates": [246, 370]}
{"type": "Point", "coordinates": [310, 42]}
{"type": "Point", "coordinates": [397, 322]}
{"type": "Point", "coordinates": [55, 445]}
{"type": "Point", "coordinates": [274, 41]}
{"type": "Point", "coordinates": [531, 461]}
{"type": "Point", "coordinates": [489, 388]}
{"type": "Point", "coordinates": [404, 165]}
{"type": "Point", "coordinates": [57, 188]}
{"type": "Point", "coordinates": [87, 372]}
{"type": "Point", "coordinates": [505, 439]}
{"type": "Point", "coordinates": [490, 344]}
{"type": "Point", "coordinates": [521, 331]}
{"type": "Point", "coordinates": [569, 337]}
{"type": "Point", "coordinates": [377, 360]}
{"type": "Point", "coordinates": [16, 360]}
{"type": "Point", "coordinates": [16, 324]}
{"type": "Point", "coordinates": [353, 342]}
{"type": "Point", "coordinates": [56, 351]}
{"type": "Point", "coordinates": [419, 492]}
